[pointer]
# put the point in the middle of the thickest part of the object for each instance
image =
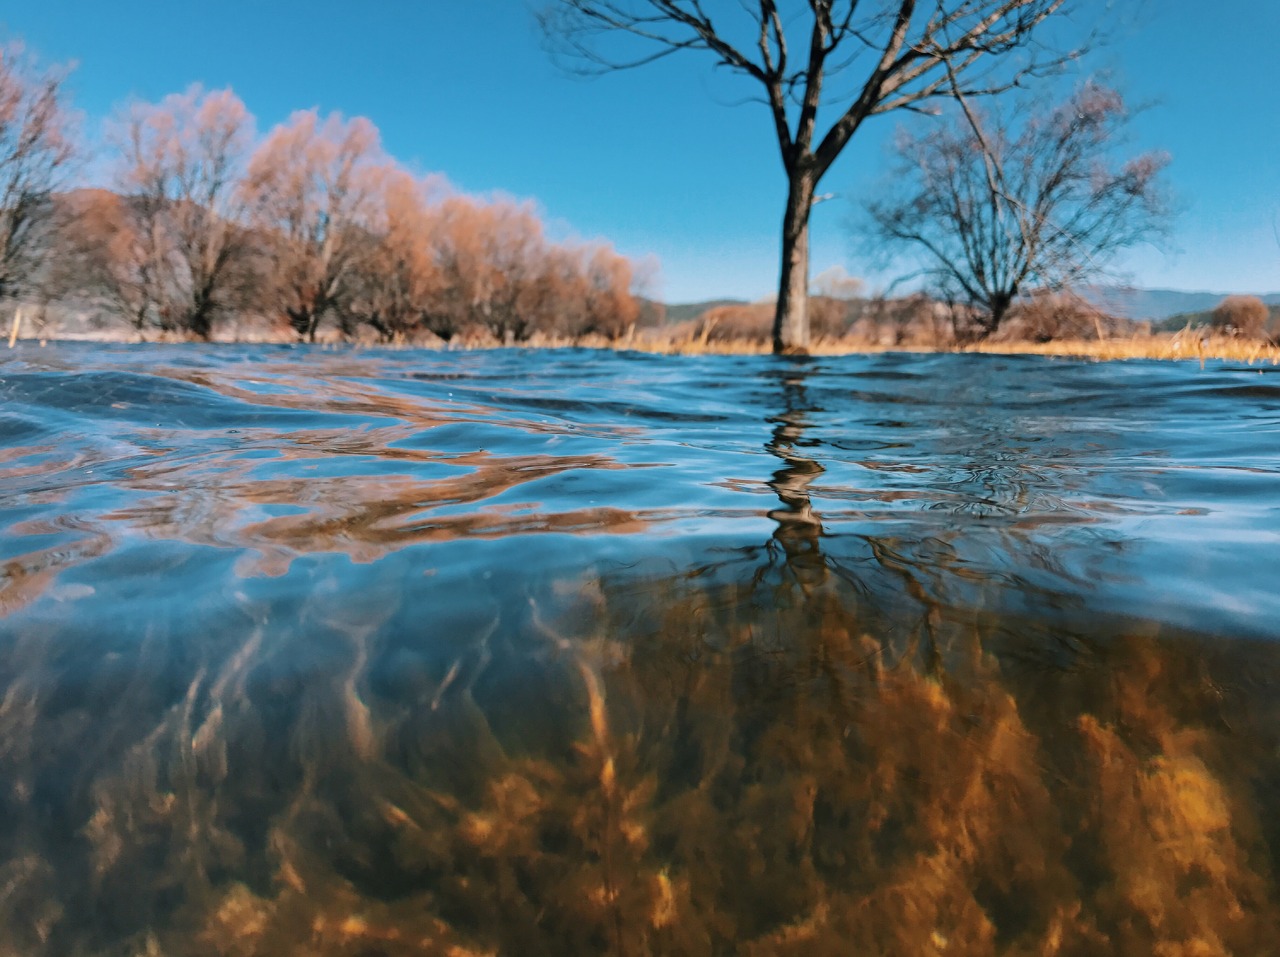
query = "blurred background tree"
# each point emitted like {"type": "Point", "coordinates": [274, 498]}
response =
{"type": "Point", "coordinates": [1243, 316]}
{"type": "Point", "coordinates": [37, 147]}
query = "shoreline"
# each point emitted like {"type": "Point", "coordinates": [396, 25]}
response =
{"type": "Point", "coordinates": [1175, 347]}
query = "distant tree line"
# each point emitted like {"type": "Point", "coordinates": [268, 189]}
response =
{"type": "Point", "coordinates": [313, 225]}
{"type": "Point", "coordinates": [916, 320]}
{"type": "Point", "coordinates": [313, 229]}
{"type": "Point", "coordinates": [1239, 317]}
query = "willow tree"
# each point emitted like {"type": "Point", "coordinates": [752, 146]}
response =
{"type": "Point", "coordinates": [186, 252]}
{"type": "Point", "coordinates": [314, 186]}
{"type": "Point", "coordinates": [852, 59]}
{"type": "Point", "coordinates": [37, 147]}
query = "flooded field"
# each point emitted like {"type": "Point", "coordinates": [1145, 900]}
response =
{"type": "Point", "coordinates": [570, 653]}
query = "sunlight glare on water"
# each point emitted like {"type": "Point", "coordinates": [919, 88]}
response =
{"type": "Point", "coordinates": [569, 652]}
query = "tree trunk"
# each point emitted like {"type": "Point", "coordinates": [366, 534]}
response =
{"type": "Point", "coordinates": [1000, 304]}
{"type": "Point", "coordinates": [201, 320]}
{"type": "Point", "coordinates": [791, 322]}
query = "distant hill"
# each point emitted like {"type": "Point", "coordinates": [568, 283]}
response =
{"type": "Point", "coordinates": [1159, 304]}
{"type": "Point", "coordinates": [680, 312]}
{"type": "Point", "coordinates": [1197, 319]}
{"type": "Point", "coordinates": [1155, 305]}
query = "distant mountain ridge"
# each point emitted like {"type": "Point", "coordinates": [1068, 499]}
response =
{"type": "Point", "coordinates": [1137, 304]}
{"type": "Point", "coordinates": [681, 311]}
{"type": "Point", "coordinates": [1159, 304]}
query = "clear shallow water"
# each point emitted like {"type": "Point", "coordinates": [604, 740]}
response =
{"type": "Point", "coordinates": [579, 653]}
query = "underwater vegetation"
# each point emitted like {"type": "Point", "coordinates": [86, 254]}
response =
{"type": "Point", "coordinates": [694, 764]}
{"type": "Point", "coordinates": [397, 654]}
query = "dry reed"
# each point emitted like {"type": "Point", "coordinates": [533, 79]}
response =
{"type": "Point", "coordinates": [1176, 347]}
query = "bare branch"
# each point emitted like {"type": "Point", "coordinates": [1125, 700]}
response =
{"type": "Point", "coordinates": [916, 52]}
{"type": "Point", "coordinates": [997, 211]}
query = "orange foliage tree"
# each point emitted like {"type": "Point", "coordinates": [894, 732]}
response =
{"type": "Point", "coordinates": [398, 284]}
{"type": "Point", "coordinates": [186, 249]}
{"type": "Point", "coordinates": [36, 150]}
{"type": "Point", "coordinates": [500, 273]}
{"type": "Point", "coordinates": [609, 306]}
{"type": "Point", "coordinates": [104, 255]}
{"type": "Point", "coordinates": [314, 187]}
{"type": "Point", "coordinates": [492, 255]}
{"type": "Point", "coordinates": [580, 290]}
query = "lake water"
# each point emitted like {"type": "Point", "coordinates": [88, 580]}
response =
{"type": "Point", "coordinates": [561, 653]}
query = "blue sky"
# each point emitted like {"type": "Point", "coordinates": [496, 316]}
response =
{"type": "Point", "coordinates": [664, 161]}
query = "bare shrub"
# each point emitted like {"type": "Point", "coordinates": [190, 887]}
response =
{"type": "Point", "coordinates": [749, 321]}
{"type": "Point", "coordinates": [1049, 316]}
{"type": "Point", "coordinates": [911, 320]}
{"type": "Point", "coordinates": [1242, 316]}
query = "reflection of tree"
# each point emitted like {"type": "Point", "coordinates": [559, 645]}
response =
{"type": "Point", "coordinates": [922, 590]}
{"type": "Point", "coordinates": [799, 530]}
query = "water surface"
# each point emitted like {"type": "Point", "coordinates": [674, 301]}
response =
{"type": "Point", "coordinates": [577, 653]}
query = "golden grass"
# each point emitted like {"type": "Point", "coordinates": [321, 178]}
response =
{"type": "Point", "coordinates": [1178, 347]}
{"type": "Point", "coordinates": [17, 325]}
{"type": "Point", "coordinates": [1144, 347]}
{"type": "Point", "coordinates": [1140, 347]}
{"type": "Point", "coordinates": [1187, 344]}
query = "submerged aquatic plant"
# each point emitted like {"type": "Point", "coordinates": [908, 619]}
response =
{"type": "Point", "coordinates": [713, 771]}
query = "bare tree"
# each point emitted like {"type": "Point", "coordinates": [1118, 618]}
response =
{"type": "Point", "coordinates": [36, 151]}
{"type": "Point", "coordinates": [180, 166]}
{"type": "Point", "coordinates": [314, 187]}
{"type": "Point", "coordinates": [997, 208]}
{"type": "Point", "coordinates": [858, 57]}
{"type": "Point", "coordinates": [398, 285]}
{"type": "Point", "coordinates": [102, 255]}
